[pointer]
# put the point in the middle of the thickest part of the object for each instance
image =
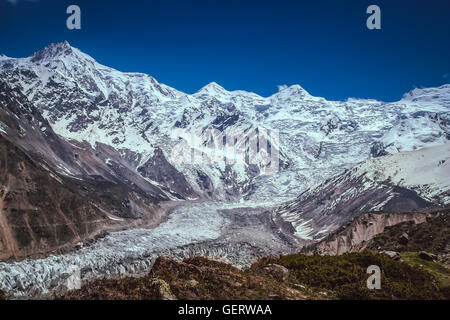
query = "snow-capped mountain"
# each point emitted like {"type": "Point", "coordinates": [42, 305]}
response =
{"type": "Point", "coordinates": [87, 149]}
{"type": "Point", "coordinates": [146, 121]}
{"type": "Point", "coordinates": [421, 129]}
{"type": "Point", "coordinates": [401, 182]}
{"type": "Point", "coordinates": [55, 193]}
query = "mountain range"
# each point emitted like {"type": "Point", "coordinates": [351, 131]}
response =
{"type": "Point", "coordinates": [87, 150]}
{"type": "Point", "coordinates": [136, 115]}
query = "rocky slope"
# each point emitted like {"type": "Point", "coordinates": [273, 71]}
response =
{"type": "Point", "coordinates": [356, 235]}
{"type": "Point", "coordinates": [191, 279]}
{"type": "Point", "coordinates": [421, 239]}
{"type": "Point", "coordinates": [54, 193]}
{"type": "Point", "coordinates": [425, 230]}
{"type": "Point", "coordinates": [402, 182]}
{"type": "Point", "coordinates": [431, 236]}
{"type": "Point", "coordinates": [294, 276]}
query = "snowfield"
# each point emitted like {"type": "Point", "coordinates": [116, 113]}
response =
{"type": "Point", "coordinates": [427, 171]}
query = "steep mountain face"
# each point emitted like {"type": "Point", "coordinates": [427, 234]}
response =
{"type": "Point", "coordinates": [356, 235]}
{"type": "Point", "coordinates": [425, 230]}
{"type": "Point", "coordinates": [131, 142]}
{"type": "Point", "coordinates": [402, 182]}
{"type": "Point", "coordinates": [308, 138]}
{"type": "Point", "coordinates": [422, 129]}
{"type": "Point", "coordinates": [53, 193]}
{"type": "Point", "coordinates": [38, 212]}
{"type": "Point", "coordinates": [432, 236]}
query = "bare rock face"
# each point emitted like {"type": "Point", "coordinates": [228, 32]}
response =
{"type": "Point", "coordinates": [278, 271]}
{"type": "Point", "coordinates": [38, 212]}
{"type": "Point", "coordinates": [445, 259]}
{"type": "Point", "coordinates": [191, 283]}
{"type": "Point", "coordinates": [321, 211]}
{"type": "Point", "coordinates": [158, 169]}
{"type": "Point", "coordinates": [356, 235]}
{"type": "Point", "coordinates": [427, 233]}
{"type": "Point", "coordinates": [55, 194]}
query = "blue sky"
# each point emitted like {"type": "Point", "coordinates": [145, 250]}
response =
{"type": "Point", "coordinates": [323, 45]}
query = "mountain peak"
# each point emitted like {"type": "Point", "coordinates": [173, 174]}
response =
{"type": "Point", "coordinates": [53, 50]}
{"type": "Point", "coordinates": [212, 87]}
{"type": "Point", "coordinates": [435, 94]}
{"type": "Point", "coordinates": [287, 92]}
{"type": "Point", "coordinates": [294, 87]}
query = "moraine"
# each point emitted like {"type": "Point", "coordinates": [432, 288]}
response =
{"type": "Point", "coordinates": [217, 230]}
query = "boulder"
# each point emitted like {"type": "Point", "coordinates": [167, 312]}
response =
{"type": "Point", "coordinates": [404, 238]}
{"type": "Point", "coordinates": [79, 245]}
{"type": "Point", "coordinates": [162, 289]}
{"type": "Point", "coordinates": [392, 254]}
{"type": "Point", "coordinates": [427, 256]}
{"type": "Point", "coordinates": [278, 270]}
{"type": "Point", "coordinates": [191, 283]}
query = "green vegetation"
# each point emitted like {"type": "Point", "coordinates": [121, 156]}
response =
{"type": "Point", "coordinates": [346, 276]}
{"type": "Point", "coordinates": [294, 276]}
{"type": "Point", "coordinates": [128, 288]}
{"type": "Point", "coordinates": [432, 236]}
{"type": "Point", "coordinates": [440, 272]}
{"type": "Point", "coordinates": [192, 279]}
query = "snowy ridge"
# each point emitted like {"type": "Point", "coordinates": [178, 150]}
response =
{"type": "Point", "coordinates": [423, 129]}
{"type": "Point", "coordinates": [133, 112]}
{"type": "Point", "coordinates": [427, 171]}
{"type": "Point", "coordinates": [401, 182]}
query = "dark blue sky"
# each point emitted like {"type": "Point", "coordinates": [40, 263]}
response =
{"type": "Point", "coordinates": [252, 45]}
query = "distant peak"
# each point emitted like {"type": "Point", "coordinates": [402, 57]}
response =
{"type": "Point", "coordinates": [53, 50]}
{"type": "Point", "coordinates": [211, 87]}
{"type": "Point", "coordinates": [431, 93]}
{"type": "Point", "coordinates": [294, 90]}
{"type": "Point", "coordinates": [64, 44]}
{"type": "Point", "coordinates": [213, 84]}
{"type": "Point", "coordinates": [294, 87]}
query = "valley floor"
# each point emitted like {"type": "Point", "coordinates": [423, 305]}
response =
{"type": "Point", "coordinates": [243, 256]}
{"type": "Point", "coordinates": [218, 230]}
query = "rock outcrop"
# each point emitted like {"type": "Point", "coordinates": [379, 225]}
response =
{"type": "Point", "coordinates": [356, 235]}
